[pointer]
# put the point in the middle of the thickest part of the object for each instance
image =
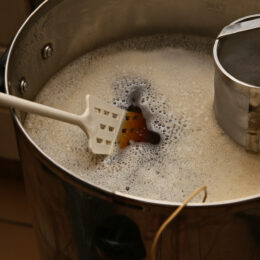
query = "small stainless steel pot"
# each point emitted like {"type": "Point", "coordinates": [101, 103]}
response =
{"type": "Point", "coordinates": [74, 219]}
{"type": "Point", "coordinates": [237, 81]}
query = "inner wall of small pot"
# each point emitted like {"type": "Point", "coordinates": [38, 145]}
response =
{"type": "Point", "coordinates": [240, 56]}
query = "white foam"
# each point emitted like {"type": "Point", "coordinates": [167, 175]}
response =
{"type": "Point", "coordinates": [174, 78]}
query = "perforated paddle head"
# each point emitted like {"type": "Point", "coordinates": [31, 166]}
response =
{"type": "Point", "coordinates": [102, 123]}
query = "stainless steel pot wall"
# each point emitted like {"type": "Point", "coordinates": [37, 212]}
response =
{"type": "Point", "coordinates": [237, 81]}
{"type": "Point", "coordinates": [76, 220]}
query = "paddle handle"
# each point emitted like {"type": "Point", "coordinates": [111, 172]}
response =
{"type": "Point", "coordinates": [39, 109]}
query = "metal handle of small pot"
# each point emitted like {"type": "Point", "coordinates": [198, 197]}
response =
{"type": "Point", "coordinates": [239, 27]}
{"type": "Point", "coordinates": [253, 130]}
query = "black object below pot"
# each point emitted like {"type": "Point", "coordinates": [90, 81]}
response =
{"type": "Point", "coordinates": [119, 238]}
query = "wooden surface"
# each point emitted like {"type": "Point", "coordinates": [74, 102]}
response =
{"type": "Point", "coordinates": [10, 168]}
{"type": "Point", "coordinates": [17, 237]}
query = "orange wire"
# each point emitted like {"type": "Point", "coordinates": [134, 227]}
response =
{"type": "Point", "coordinates": [174, 215]}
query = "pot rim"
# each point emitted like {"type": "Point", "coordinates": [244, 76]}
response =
{"type": "Point", "coordinates": [84, 185]}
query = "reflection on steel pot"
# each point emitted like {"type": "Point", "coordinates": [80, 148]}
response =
{"type": "Point", "coordinates": [74, 219]}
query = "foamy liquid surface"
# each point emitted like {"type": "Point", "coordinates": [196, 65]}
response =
{"type": "Point", "coordinates": [171, 78]}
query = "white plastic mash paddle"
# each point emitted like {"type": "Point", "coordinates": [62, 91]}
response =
{"type": "Point", "coordinates": [100, 121]}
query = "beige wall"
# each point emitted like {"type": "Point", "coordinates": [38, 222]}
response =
{"type": "Point", "coordinates": [12, 15]}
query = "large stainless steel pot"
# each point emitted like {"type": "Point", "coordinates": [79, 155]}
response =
{"type": "Point", "coordinates": [76, 220]}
